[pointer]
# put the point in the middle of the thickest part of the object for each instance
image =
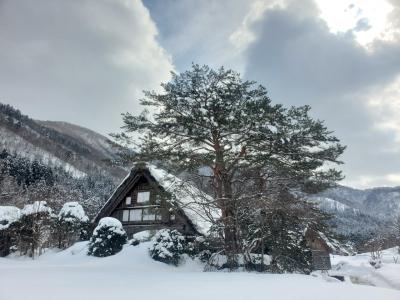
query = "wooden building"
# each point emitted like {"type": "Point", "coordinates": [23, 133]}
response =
{"type": "Point", "coordinates": [320, 249]}
{"type": "Point", "coordinates": [149, 198]}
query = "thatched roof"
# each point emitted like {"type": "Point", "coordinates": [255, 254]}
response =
{"type": "Point", "coordinates": [194, 203]}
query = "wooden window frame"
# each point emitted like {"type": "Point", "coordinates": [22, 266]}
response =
{"type": "Point", "coordinates": [143, 192]}
{"type": "Point", "coordinates": [123, 215]}
{"type": "Point", "coordinates": [157, 214]}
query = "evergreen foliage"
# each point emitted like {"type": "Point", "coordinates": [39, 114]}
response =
{"type": "Point", "coordinates": [108, 238]}
{"type": "Point", "coordinates": [31, 233]}
{"type": "Point", "coordinates": [21, 179]}
{"type": "Point", "coordinates": [276, 226]}
{"type": "Point", "coordinates": [213, 120]}
{"type": "Point", "coordinates": [168, 246]}
{"type": "Point", "coordinates": [70, 225]}
{"type": "Point", "coordinates": [23, 170]}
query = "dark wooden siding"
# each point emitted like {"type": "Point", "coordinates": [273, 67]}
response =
{"type": "Point", "coordinates": [319, 250]}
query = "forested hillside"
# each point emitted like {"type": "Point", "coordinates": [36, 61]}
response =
{"type": "Point", "coordinates": [55, 162]}
{"type": "Point", "coordinates": [76, 149]}
{"type": "Point", "coordinates": [361, 214]}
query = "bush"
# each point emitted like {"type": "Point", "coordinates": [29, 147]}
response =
{"type": "Point", "coordinates": [33, 228]}
{"type": "Point", "coordinates": [168, 246]}
{"type": "Point", "coordinates": [134, 242]}
{"type": "Point", "coordinates": [71, 225]}
{"type": "Point", "coordinates": [290, 253]}
{"type": "Point", "coordinates": [108, 238]}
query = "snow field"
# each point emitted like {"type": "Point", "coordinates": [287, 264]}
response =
{"type": "Point", "coordinates": [132, 274]}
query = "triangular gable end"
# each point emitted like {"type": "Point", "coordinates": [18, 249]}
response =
{"type": "Point", "coordinates": [155, 215]}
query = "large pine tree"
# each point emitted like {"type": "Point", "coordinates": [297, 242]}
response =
{"type": "Point", "coordinates": [213, 118]}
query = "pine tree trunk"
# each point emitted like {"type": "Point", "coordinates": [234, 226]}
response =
{"type": "Point", "coordinates": [228, 219]}
{"type": "Point", "coordinates": [225, 199]}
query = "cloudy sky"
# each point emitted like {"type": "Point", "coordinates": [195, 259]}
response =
{"type": "Point", "coordinates": [87, 61]}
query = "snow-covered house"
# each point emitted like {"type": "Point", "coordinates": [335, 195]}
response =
{"type": "Point", "coordinates": [150, 198]}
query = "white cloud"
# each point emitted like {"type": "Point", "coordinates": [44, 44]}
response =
{"type": "Point", "coordinates": [79, 61]}
{"type": "Point", "coordinates": [384, 104]}
{"type": "Point", "coordinates": [368, 181]}
{"type": "Point", "coordinates": [244, 35]}
{"type": "Point", "coordinates": [208, 32]}
{"type": "Point", "coordinates": [367, 19]}
{"type": "Point", "coordinates": [301, 61]}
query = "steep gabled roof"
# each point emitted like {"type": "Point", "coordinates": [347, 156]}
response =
{"type": "Point", "coordinates": [196, 205]}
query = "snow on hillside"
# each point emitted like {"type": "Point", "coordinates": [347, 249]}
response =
{"type": "Point", "coordinates": [382, 201]}
{"type": "Point", "coordinates": [99, 142]}
{"type": "Point", "coordinates": [359, 212]}
{"type": "Point", "coordinates": [329, 204]}
{"type": "Point", "coordinates": [132, 274]}
{"type": "Point", "coordinates": [16, 144]}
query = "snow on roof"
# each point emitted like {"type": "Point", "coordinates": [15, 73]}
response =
{"type": "Point", "coordinates": [335, 245]}
{"type": "Point", "coordinates": [73, 210]}
{"type": "Point", "coordinates": [36, 207]}
{"type": "Point", "coordinates": [8, 215]}
{"type": "Point", "coordinates": [196, 204]}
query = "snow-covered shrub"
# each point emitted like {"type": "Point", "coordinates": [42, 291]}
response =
{"type": "Point", "coordinates": [108, 238]}
{"type": "Point", "coordinates": [375, 247]}
{"type": "Point", "coordinates": [70, 225]}
{"type": "Point", "coordinates": [8, 216]}
{"type": "Point", "coordinates": [134, 242]}
{"type": "Point", "coordinates": [375, 262]}
{"type": "Point", "coordinates": [199, 247]}
{"type": "Point", "coordinates": [33, 228]}
{"type": "Point", "coordinates": [168, 246]}
{"type": "Point", "coordinates": [249, 261]}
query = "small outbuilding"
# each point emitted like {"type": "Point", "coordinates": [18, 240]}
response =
{"type": "Point", "coordinates": [320, 249]}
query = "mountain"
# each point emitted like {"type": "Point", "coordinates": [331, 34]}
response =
{"type": "Point", "coordinates": [78, 150]}
{"type": "Point", "coordinates": [383, 202]}
{"type": "Point", "coordinates": [55, 162]}
{"type": "Point", "coordinates": [360, 213]}
{"type": "Point", "coordinates": [102, 147]}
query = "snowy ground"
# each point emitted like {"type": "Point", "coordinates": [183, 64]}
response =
{"type": "Point", "coordinates": [131, 274]}
{"type": "Point", "coordinates": [358, 270]}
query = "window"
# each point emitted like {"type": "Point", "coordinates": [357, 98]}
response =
{"type": "Point", "coordinates": [143, 197]}
{"type": "Point", "coordinates": [172, 217]}
{"type": "Point", "coordinates": [135, 215]}
{"type": "Point", "coordinates": [149, 215]}
{"type": "Point", "coordinates": [138, 215]}
{"type": "Point", "coordinates": [125, 215]}
{"type": "Point", "coordinates": [128, 201]}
